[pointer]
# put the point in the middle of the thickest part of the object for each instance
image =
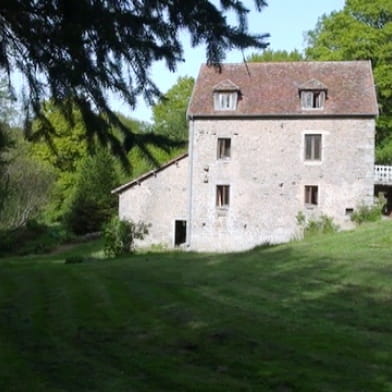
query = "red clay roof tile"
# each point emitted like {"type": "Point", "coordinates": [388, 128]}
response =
{"type": "Point", "coordinates": [272, 89]}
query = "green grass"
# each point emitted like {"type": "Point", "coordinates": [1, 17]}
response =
{"type": "Point", "coordinates": [314, 315]}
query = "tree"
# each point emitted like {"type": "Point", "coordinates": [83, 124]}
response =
{"type": "Point", "coordinates": [269, 55]}
{"type": "Point", "coordinates": [74, 51]}
{"type": "Point", "coordinates": [69, 148]}
{"type": "Point", "coordinates": [150, 150]}
{"type": "Point", "coordinates": [67, 145]}
{"type": "Point", "coordinates": [5, 144]}
{"type": "Point", "coordinates": [170, 112]}
{"type": "Point", "coordinates": [362, 31]}
{"type": "Point", "coordinates": [28, 184]}
{"type": "Point", "coordinates": [6, 113]}
{"type": "Point", "coordinates": [92, 204]}
{"type": "Point", "coordinates": [7, 110]}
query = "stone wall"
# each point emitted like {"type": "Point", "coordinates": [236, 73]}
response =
{"type": "Point", "coordinates": [267, 173]}
{"type": "Point", "coordinates": [159, 200]}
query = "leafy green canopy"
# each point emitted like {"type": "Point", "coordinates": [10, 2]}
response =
{"type": "Point", "coordinates": [25, 183]}
{"type": "Point", "coordinates": [7, 111]}
{"type": "Point", "coordinates": [6, 142]}
{"type": "Point", "coordinates": [362, 31]}
{"type": "Point", "coordinates": [77, 50]}
{"type": "Point", "coordinates": [275, 56]}
{"type": "Point", "coordinates": [71, 150]}
{"type": "Point", "coordinates": [170, 112]}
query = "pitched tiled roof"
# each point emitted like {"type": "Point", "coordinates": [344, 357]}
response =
{"type": "Point", "coordinates": [150, 173]}
{"type": "Point", "coordinates": [272, 89]}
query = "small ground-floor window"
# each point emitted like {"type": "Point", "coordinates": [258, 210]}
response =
{"type": "Point", "coordinates": [222, 196]}
{"type": "Point", "coordinates": [311, 195]}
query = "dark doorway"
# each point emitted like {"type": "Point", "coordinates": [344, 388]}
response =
{"type": "Point", "coordinates": [386, 191]}
{"type": "Point", "coordinates": [179, 232]}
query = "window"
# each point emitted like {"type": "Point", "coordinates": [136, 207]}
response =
{"type": "Point", "coordinates": [313, 147]}
{"type": "Point", "coordinates": [224, 148]}
{"type": "Point", "coordinates": [312, 99]}
{"type": "Point", "coordinates": [222, 196]}
{"type": "Point", "coordinates": [349, 211]}
{"type": "Point", "coordinates": [311, 195]}
{"type": "Point", "coordinates": [225, 100]}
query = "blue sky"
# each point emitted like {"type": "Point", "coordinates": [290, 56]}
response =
{"type": "Point", "coordinates": [285, 20]}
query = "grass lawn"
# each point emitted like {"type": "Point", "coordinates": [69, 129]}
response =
{"type": "Point", "coordinates": [314, 315]}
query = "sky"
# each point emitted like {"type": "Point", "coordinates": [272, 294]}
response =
{"type": "Point", "coordinates": [285, 20]}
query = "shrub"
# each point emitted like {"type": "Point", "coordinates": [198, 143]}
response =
{"type": "Point", "coordinates": [301, 219]}
{"type": "Point", "coordinates": [74, 259]}
{"type": "Point", "coordinates": [365, 213]}
{"type": "Point", "coordinates": [120, 236]}
{"type": "Point", "coordinates": [322, 225]}
{"type": "Point", "coordinates": [32, 238]}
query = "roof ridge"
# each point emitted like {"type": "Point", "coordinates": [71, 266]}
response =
{"type": "Point", "coordinates": [252, 63]}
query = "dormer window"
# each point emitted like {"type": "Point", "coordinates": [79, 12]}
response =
{"type": "Point", "coordinates": [225, 95]}
{"type": "Point", "coordinates": [312, 99]}
{"type": "Point", "coordinates": [313, 94]}
{"type": "Point", "coordinates": [225, 100]}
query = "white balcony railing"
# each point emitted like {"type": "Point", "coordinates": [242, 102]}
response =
{"type": "Point", "coordinates": [383, 174]}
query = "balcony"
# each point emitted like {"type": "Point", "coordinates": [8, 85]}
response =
{"type": "Point", "coordinates": [382, 175]}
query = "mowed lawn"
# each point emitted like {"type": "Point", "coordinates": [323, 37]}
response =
{"type": "Point", "coordinates": [313, 315]}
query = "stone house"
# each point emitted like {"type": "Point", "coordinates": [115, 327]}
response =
{"type": "Point", "coordinates": [267, 141]}
{"type": "Point", "coordinates": [158, 197]}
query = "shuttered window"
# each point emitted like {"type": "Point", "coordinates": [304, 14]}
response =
{"type": "Point", "coordinates": [311, 195]}
{"type": "Point", "coordinates": [313, 147]}
{"type": "Point", "coordinates": [225, 100]}
{"type": "Point", "coordinates": [312, 99]}
{"type": "Point", "coordinates": [222, 195]}
{"type": "Point", "coordinates": [224, 148]}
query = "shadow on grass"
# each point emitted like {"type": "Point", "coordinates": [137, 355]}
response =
{"type": "Point", "coordinates": [307, 316]}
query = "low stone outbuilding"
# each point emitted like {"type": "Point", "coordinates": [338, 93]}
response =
{"type": "Point", "coordinates": [158, 198]}
{"type": "Point", "coordinates": [267, 143]}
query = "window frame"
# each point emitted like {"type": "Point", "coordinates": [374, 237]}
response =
{"type": "Point", "coordinates": [222, 197]}
{"type": "Point", "coordinates": [311, 195]}
{"type": "Point", "coordinates": [313, 99]}
{"type": "Point", "coordinates": [225, 100]}
{"type": "Point", "coordinates": [223, 148]}
{"type": "Point", "coordinates": [313, 147]}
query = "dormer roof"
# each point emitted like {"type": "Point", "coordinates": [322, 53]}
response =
{"type": "Point", "coordinates": [226, 85]}
{"type": "Point", "coordinates": [313, 84]}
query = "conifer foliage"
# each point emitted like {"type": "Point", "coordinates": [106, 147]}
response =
{"type": "Point", "coordinates": [77, 50]}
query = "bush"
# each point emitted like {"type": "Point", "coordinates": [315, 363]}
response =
{"type": "Point", "coordinates": [120, 236]}
{"type": "Point", "coordinates": [322, 225]}
{"type": "Point", "coordinates": [74, 260]}
{"type": "Point", "coordinates": [365, 213]}
{"type": "Point", "coordinates": [32, 238]}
